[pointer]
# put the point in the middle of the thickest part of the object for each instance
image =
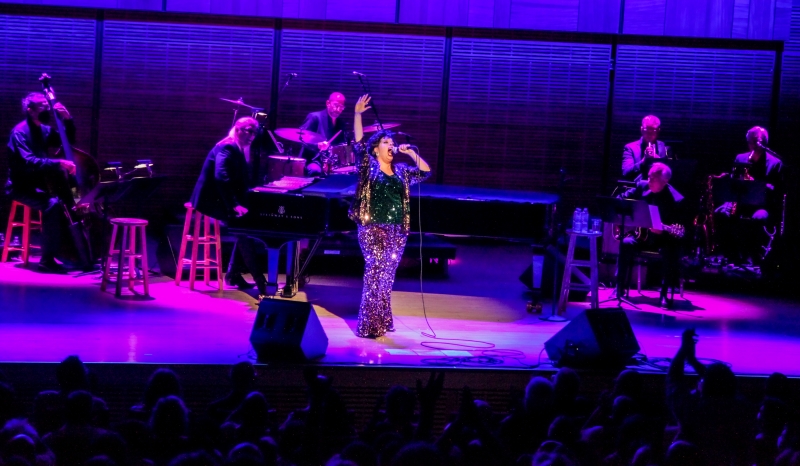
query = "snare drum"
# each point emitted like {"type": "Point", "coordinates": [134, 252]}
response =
{"type": "Point", "coordinates": [282, 165]}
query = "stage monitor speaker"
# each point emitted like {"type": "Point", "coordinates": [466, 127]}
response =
{"type": "Point", "coordinates": [287, 331]}
{"type": "Point", "coordinates": [594, 338]}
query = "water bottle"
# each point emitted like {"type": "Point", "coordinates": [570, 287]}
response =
{"type": "Point", "coordinates": [576, 220]}
{"type": "Point", "coordinates": [585, 219]}
{"type": "Point", "coordinates": [15, 243]}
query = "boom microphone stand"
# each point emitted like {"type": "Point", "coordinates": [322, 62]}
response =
{"type": "Point", "coordinates": [362, 78]}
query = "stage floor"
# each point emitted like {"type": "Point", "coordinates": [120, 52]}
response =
{"type": "Point", "coordinates": [44, 318]}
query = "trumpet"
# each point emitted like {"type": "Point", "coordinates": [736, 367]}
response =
{"type": "Point", "coordinates": [652, 150]}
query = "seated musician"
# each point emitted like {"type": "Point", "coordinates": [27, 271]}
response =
{"type": "Point", "coordinates": [327, 123]}
{"type": "Point", "coordinates": [637, 153]}
{"type": "Point", "coordinates": [29, 168]}
{"type": "Point", "coordinates": [741, 227]}
{"type": "Point", "coordinates": [658, 192]}
{"type": "Point", "coordinates": [220, 193]}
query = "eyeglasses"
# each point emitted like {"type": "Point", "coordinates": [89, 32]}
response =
{"type": "Point", "coordinates": [248, 130]}
{"type": "Point", "coordinates": [337, 106]}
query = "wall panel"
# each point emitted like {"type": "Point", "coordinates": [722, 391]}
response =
{"type": "Point", "coordinates": [519, 111]}
{"type": "Point", "coordinates": [405, 74]}
{"type": "Point", "coordinates": [706, 100]}
{"type": "Point", "coordinates": [61, 47]}
{"type": "Point", "coordinates": [553, 15]}
{"type": "Point", "coordinates": [645, 17]}
{"type": "Point", "coordinates": [161, 85]}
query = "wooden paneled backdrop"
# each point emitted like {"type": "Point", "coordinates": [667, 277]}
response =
{"type": "Point", "coordinates": [490, 107]}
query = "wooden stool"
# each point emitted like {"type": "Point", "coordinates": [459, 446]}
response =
{"type": "Point", "coordinates": [27, 224]}
{"type": "Point", "coordinates": [571, 268]}
{"type": "Point", "coordinates": [210, 237]}
{"type": "Point", "coordinates": [127, 250]}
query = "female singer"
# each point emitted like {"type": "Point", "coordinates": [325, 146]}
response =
{"type": "Point", "coordinates": [381, 211]}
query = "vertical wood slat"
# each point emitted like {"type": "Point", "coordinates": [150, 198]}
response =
{"type": "Point", "coordinates": [405, 74]}
{"type": "Point", "coordinates": [645, 17]}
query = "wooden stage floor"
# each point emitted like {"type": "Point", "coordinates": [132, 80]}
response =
{"type": "Point", "coordinates": [44, 318]}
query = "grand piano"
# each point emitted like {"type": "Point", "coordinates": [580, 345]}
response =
{"type": "Point", "coordinates": [280, 219]}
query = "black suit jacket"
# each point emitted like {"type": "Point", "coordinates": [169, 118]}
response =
{"type": "Point", "coordinates": [320, 122]}
{"type": "Point", "coordinates": [632, 157]}
{"type": "Point", "coordinates": [669, 202]}
{"type": "Point", "coordinates": [28, 160]}
{"type": "Point", "coordinates": [223, 182]}
{"type": "Point", "coordinates": [768, 169]}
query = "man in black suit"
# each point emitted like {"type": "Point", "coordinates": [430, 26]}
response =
{"type": "Point", "coordinates": [636, 153]}
{"type": "Point", "coordinates": [327, 123]}
{"type": "Point", "coordinates": [228, 172]}
{"type": "Point", "coordinates": [29, 165]}
{"type": "Point", "coordinates": [658, 192]}
{"type": "Point", "coordinates": [742, 231]}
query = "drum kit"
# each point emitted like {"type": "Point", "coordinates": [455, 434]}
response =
{"type": "Point", "coordinates": [337, 159]}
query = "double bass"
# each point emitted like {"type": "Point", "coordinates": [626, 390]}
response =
{"type": "Point", "coordinates": [87, 175]}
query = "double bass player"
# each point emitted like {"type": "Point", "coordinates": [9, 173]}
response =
{"type": "Point", "coordinates": [29, 168]}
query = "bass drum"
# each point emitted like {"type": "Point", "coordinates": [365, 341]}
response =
{"type": "Point", "coordinates": [279, 166]}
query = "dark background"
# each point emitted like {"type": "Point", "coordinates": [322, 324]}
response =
{"type": "Point", "coordinates": [489, 106]}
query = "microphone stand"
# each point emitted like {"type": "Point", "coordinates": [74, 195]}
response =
{"type": "Point", "coordinates": [367, 90]}
{"type": "Point", "coordinates": [554, 317]}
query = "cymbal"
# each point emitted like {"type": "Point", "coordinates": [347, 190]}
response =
{"type": "Point", "coordinates": [241, 103]}
{"type": "Point", "coordinates": [377, 127]}
{"type": "Point", "coordinates": [299, 135]}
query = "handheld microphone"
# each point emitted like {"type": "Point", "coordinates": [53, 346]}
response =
{"type": "Point", "coordinates": [359, 74]}
{"type": "Point", "coordinates": [396, 149]}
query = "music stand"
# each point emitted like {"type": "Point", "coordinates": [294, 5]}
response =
{"type": "Point", "coordinates": [743, 192]}
{"type": "Point", "coordinates": [112, 192]}
{"type": "Point", "coordinates": [624, 212]}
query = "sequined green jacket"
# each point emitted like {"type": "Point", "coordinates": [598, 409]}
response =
{"type": "Point", "coordinates": [368, 171]}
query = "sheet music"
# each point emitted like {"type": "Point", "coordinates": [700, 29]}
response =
{"type": "Point", "coordinates": [656, 218]}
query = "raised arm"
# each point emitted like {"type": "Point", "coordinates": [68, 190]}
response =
{"type": "Point", "coordinates": [361, 107]}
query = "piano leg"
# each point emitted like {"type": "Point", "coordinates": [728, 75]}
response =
{"type": "Point", "coordinates": [273, 258]}
{"type": "Point", "coordinates": [292, 259]}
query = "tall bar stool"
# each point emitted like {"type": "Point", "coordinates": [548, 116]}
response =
{"type": "Point", "coordinates": [127, 250]}
{"type": "Point", "coordinates": [211, 236]}
{"type": "Point", "coordinates": [27, 224]}
{"type": "Point", "coordinates": [571, 265]}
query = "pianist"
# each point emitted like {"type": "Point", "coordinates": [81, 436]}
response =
{"type": "Point", "coordinates": [220, 193]}
{"type": "Point", "coordinates": [381, 211]}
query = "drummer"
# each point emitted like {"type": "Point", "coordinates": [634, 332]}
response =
{"type": "Point", "coordinates": [327, 123]}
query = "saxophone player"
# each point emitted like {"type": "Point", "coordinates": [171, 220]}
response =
{"type": "Point", "coordinates": [742, 232]}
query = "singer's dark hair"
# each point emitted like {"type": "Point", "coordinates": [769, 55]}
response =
{"type": "Point", "coordinates": [376, 138]}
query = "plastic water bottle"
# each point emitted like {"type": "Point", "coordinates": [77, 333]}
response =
{"type": "Point", "coordinates": [585, 219]}
{"type": "Point", "coordinates": [576, 220]}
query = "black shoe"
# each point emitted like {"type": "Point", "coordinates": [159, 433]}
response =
{"type": "Point", "coordinates": [391, 329]}
{"type": "Point", "coordinates": [51, 266]}
{"type": "Point", "coordinates": [666, 303]}
{"type": "Point", "coordinates": [239, 282]}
